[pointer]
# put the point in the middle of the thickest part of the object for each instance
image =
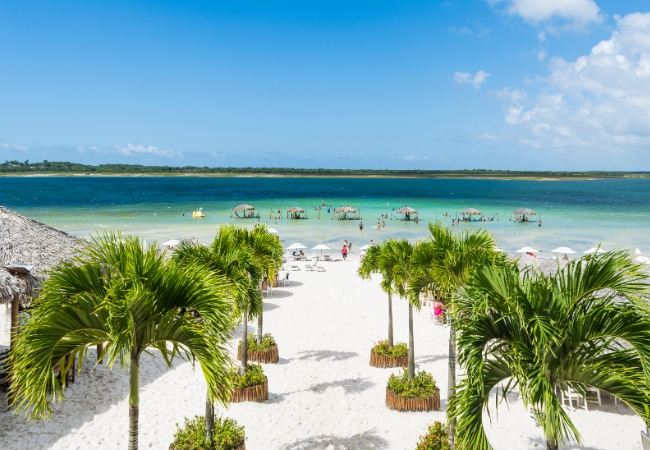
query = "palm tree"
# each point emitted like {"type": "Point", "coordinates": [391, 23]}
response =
{"type": "Point", "coordinates": [395, 260]}
{"type": "Point", "coordinates": [266, 250]}
{"type": "Point", "coordinates": [133, 301]}
{"type": "Point", "coordinates": [370, 264]}
{"type": "Point", "coordinates": [228, 257]}
{"type": "Point", "coordinates": [445, 263]}
{"type": "Point", "coordinates": [582, 327]}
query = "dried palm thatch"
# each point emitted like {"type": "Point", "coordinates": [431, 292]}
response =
{"type": "Point", "coordinates": [25, 241]}
{"type": "Point", "coordinates": [406, 210]}
{"type": "Point", "coordinates": [345, 209]}
{"type": "Point", "coordinates": [524, 211]}
{"type": "Point", "coordinates": [295, 209]}
{"type": "Point", "coordinates": [471, 211]}
{"type": "Point", "coordinates": [244, 207]}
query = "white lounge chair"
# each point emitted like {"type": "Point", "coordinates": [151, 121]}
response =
{"type": "Point", "coordinates": [294, 267]}
{"type": "Point", "coordinates": [320, 268]}
{"type": "Point", "coordinates": [327, 258]}
{"type": "Point", "coordinates": [645, 440]}
{"type": "Point", "coordinates": [308, 267]}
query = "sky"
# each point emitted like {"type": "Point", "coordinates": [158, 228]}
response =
{"type": "Point", "coordinates": [457, 84]}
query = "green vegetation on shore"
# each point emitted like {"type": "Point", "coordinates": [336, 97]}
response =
{"type": "Point", "coordinates": [63, 168]}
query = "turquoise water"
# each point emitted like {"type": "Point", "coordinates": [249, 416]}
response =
{"type": "Point", "coordinates": [578, 214]}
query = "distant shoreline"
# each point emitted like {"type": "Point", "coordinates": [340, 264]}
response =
{"type": "Point", "coordinates": [68, 169]}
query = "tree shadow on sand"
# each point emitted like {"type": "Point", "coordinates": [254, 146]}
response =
{"type": "Point", "coordinates": [321, 355]}
{"type": "Point", "coordinates": [364, 441]}
{"type": "Point", "coordinates": [277, 293]}
{"type": "Point", "coordinates": [84, 400]}
{"type": "Point", "coordinates": [349, 385]}
{"type": "Point", "coordinates": [429, 358]}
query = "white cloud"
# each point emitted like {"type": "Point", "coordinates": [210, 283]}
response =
{"type": "Point", "coordinates": [7, 146]}
{"type": "Point", "coordinates": [487, 137]}
{"type": "Point", "coordinates": [538, 11]}
{"type": "Point", "coordinates": [600, 100]}
{"type": "Point", "coordinates": [467, 78]}
{"type": "Point", "coordinates": [134, 149]}
{"type": "Point", "coordinates": [411, 158]}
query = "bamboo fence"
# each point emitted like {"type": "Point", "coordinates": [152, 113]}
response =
{"type": "Point", "coordinates": [394, 401]}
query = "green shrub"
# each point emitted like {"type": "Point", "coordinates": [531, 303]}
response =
{"type": "Point", "coordinates": [268, 342]}
{"type": "Point", "coordinates": [382, 348]}
{"type": "Point", "coordinates": [253, 376]}
{"type": "Point", "coordinates": [423, 384]}
{"type": "Point", "coordinates": [436, 438]}
{"type": "Point", "coordinates": [226, 435]}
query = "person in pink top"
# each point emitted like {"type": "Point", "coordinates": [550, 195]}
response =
{"type": "Point", "coordinates": [344, 252]}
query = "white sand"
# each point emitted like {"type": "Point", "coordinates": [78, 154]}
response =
{"type": "Point", "coordinates": [323, 393]}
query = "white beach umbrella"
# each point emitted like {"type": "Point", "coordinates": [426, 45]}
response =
{"type": "Point", "coordinates": [321, 247]}
{"type": "Point", "coordinates": [497, 249]}
{"type": "Point", "coordinates": [637, 251]}
{"type": "Point", "coordinates": [295, 246]}
{"type": "Point", "coordinates": [528, 250]}
{"type": "Point", "coordinates": [643, 259]}
{"type": "Point", "coordinates": [564, 250]}
{"type": "Point", "coordinates": [272, 231]}
{"type": "Point", "coordinates": [594, 250]}
{"type": "Point", "coordinates": [365, 247]}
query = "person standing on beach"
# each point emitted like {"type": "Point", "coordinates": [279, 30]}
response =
{"type": "Point", "coordinates": [350, 247]}
{"type": "Point", "coordinates": [360, 226]}
{"type": "Point", "coordinates": [344, 252]}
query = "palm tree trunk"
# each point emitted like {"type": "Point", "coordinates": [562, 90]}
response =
{"type": "Point", "coordinates": [134, 401]}
{"type": "Point", "coordinates": [209, 419]}
{"type": "Point", "coordinates": [260, 322]}
{"type": "Point", "coordinates": [551, 445]}
{"type": "Point", "coordinates": [411, 369]}
{"type": "Point", "coordinates": [244, 343]}
{"type": "Point", "coordinates": [451, 382]}
{"type": "Point", "coordinates": [390, 320]}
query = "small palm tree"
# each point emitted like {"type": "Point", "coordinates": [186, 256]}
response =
{"type": "Point", "coordinates": [228, 257]}
{"type": "Point", "coordinates": [395, 260]}
{"type": "Point", "coordinates": [133, 301]}
{"type": "Point", "coordinates": [582, 327]}
{"type": "Point", "coordinates": [266, 250]}
{"type": "Point", "coordinates": [445, 263]}
{"type": "Point", "coordinates": [370, 264]}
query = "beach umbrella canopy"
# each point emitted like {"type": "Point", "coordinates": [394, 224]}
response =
{"type": "Point", "coordinates": [295, 209]}
{"type": "Point", "coordinates": [471, 211]}
{"type": "Point", "coordinates": [345, 209]}
{"type": "Point", "coordinates": [524, 211]}
{"type": "Point", "coordinates": [643, 259]}
{"type": "Point", "coordinates": [321, 247]}
{"type": "Point", "coordinates": [564, 250]}
{"type": "Point", "coordinates": [365, 247]}
{"type": "Point", "coordinates": [637, 251]}
{"type": "Point", "coordinates": [244, 207]}
{"type": "Point", "coordinates": [594, 250]}
{"type": "Point", "coordinates": [296, 245]}
{"type": "Point", "coordinates": [406, 210]}
{"type": "Point", "coordinates": [528, 250]}
{"type": "Point", "coordinates": [171, 243]}
{"type": "Point", "coordinates": [272, 230]}
{"type": "Point", "coordinates": [497, 249]}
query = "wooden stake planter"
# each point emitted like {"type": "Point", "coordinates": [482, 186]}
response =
{"type": "Point", "coordinates": [270, 356]}
{"type": "Point", "coordinates": [396, 402]}
{"type": "Point", "coordinates": [382, 361]}
{"type": "Point", "coordinates": [257, 393]}
{"type": "Point", "coordinates": [241, 447]}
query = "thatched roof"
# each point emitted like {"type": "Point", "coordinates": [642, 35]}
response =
{"type": "Point", "coordinates": [471, 211]}
{"type": "Point", "coordinates": [25, 241]}
{"type": "Point", "coordinates": [294, 209]}
{"type": "Point", "coordinates": [523, 211]}
{"type": "Point", "coordinates": [406, 210]}
{"type": "Point", "coordinates": [244, 207]}
{"type": "Point", "coordinates": [345, 209]}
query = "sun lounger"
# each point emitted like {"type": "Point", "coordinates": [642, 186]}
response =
{"type": "Point", "coordinates": [320, 268]}
{"type": "Point", "coordinates": [309, 267]}
{"type": "Point", "coordinates": [294, 267]}
{"type": "Point", "coordinates": [327, 258]}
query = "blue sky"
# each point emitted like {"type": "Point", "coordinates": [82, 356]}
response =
{"type": "Point", "coordinates": [495, 84]}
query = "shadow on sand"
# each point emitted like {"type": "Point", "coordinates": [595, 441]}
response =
{"type": "Point", "coordinates": [322, 355]}
{"type": "Point", "coordinates": [364, 441]}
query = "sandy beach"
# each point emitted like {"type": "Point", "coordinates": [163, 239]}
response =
{"type": "Point", "coordinates": [322, 394]}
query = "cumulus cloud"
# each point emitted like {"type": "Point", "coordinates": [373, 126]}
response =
{"type": "Point", "coordinates": [136, 149]}
{"type": "Point", "coordinates": [599, 100]}
{"type": "Point", "coordinates": [539, 11]}
{"type": "Point", "coordinates": [467, 78]}
{"type": "Point", "coordinates": [411, 158]}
